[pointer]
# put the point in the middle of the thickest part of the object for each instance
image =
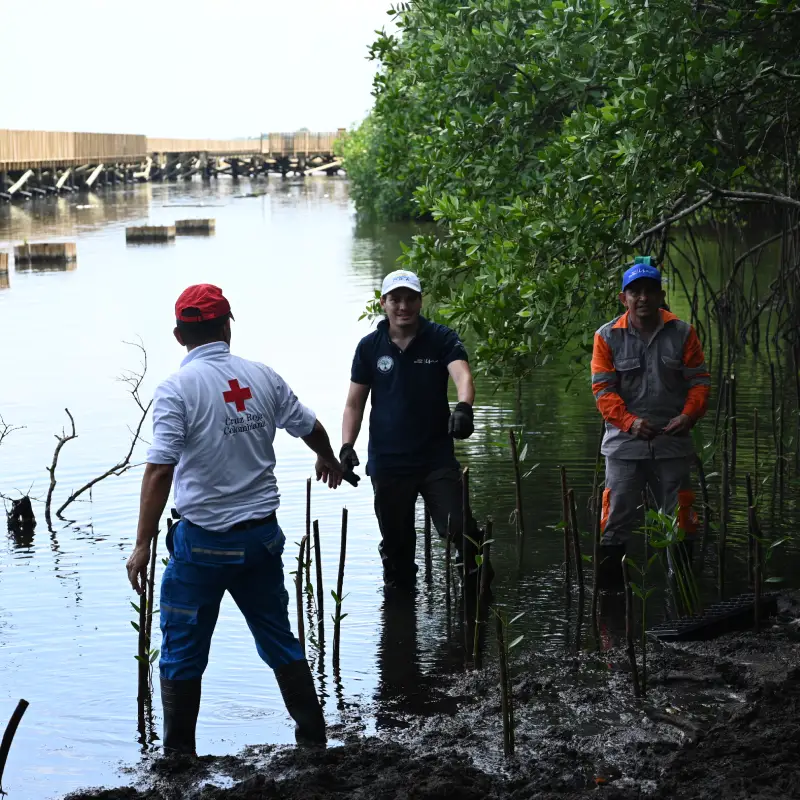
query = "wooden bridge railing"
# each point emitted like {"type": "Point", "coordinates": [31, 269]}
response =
{"type": "Point", "coordinates": [32, 149]}
{"type": "Point", "coordinates": [20, 150]}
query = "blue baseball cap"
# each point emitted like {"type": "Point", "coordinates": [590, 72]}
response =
{"type": "Point", "coordinates": [641, 268]}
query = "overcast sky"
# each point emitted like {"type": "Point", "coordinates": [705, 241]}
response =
{"type": "Point", "coordinates": [186, 68]}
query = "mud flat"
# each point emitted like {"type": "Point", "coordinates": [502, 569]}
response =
{"type": "Point", "coordinates": [721, 720]}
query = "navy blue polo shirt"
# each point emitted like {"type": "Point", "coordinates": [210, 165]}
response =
{"type": "Point", "coordinates": [410, 412]}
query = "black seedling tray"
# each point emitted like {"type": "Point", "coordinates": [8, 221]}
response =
{"type": "Point", "coordinates": [736, 614]}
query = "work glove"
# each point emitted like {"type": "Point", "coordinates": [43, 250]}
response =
{"type": "Point", "coordinates": [349, 460]}
{"type": "Point", "coordinates": [461, 425]}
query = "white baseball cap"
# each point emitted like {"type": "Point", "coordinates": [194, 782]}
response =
{"type": "Point", "coordinates": [400, 279]}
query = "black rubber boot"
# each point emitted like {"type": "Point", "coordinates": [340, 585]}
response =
{"type": "Point", "coordinates": [300, 697]}
{"type": "Point", "coordinates": [181, 703]}
{"type": "Point", "coordinates": [609, 570]}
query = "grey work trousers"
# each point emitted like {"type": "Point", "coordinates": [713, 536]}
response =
{"type": "Point", "coordinates": [669, 483]}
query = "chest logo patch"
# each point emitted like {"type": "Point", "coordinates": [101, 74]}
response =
{"type": "Point", "coordinates": [385, 364]}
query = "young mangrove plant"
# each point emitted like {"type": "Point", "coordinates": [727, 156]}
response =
{"type": "Point", "coordinates": [503, 631]}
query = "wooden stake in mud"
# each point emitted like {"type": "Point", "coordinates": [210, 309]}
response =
{"type": "Point", "coordinates": [755, 452]}
{"type": "Point", "coordinates": [465, 550]}
{"type": "Point", "coordinates": [8, 737]}
{"type": "Point", "coordinates": [320, 592]}
{"type": "Point", "coordinates": [701, 475]}
{"type": "Point", "coordinates": [505, 694]}
{"type": "Point", "coordinates": [448, 568]}
{"type": "Point", "coordinates": [143, 658]}
{"type": "Point", "coordinates": [598, 521]}
{"type": "Point", "coordinates": [477, 659]}
{"type": "Point", "coordinates": [520, 520]}
{"type": "Point", "coordinates": [151, 587]}
{"type": "Point", "coordinates": [428, 546]}
{"type": "Point", "coordinates": [308, 532]}
{"type": "Point", "coordinates": [723, 512]}
{"type": "Point", "coordinates": [758, 577]}
{"type": "Point", "coordinates": [629, 634]}
{"type": "Point", "coordinates": [298, 585]}
{"type": "Point", "coordinates": [750, 529]}
{"type": "Point", "coordinates": [340, 589]}
{"type": "Point", "coordinates": [576, 542]}
{"type": "Point", "coordinates": [733, 423]}
{"type": "Point", "coordinates": [565, 518]}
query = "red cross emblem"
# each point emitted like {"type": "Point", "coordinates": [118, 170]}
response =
{"type": "Point", "coordinates": [237, 394]}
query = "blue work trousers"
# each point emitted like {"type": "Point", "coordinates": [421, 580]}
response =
{"type": "Point", "coordinates": [203, 565]}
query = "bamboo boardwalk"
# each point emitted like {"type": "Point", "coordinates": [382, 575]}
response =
{"type": "Point", "coordinates": [49, 162]}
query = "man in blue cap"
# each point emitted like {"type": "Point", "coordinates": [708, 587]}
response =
{"type": "Point", "coordinates": [651, 384]}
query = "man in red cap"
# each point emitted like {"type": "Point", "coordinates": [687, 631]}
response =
{"type": "Point", "coordinates": [214, 422]}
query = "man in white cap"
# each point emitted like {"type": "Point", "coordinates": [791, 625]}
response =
{"type": "Point", "coordinates": [406, 363]}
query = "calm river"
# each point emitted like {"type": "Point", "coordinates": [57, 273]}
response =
{"type": "Point", "coordinates": [298, 272]}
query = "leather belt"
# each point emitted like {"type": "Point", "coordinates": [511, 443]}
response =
{"type": "Point", "coordinates": [254, 523]}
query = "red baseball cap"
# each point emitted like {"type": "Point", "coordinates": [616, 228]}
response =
{"type": "Point", "coordinates": [200, 303]}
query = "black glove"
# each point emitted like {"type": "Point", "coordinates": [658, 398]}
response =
{"type": "Point", "coordinates": [348, 459]}
{"type": "Point", "coordinates": [461, 425]}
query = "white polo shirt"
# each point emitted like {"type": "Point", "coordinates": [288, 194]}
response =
{"type": "Point", "coordinates": [216, 419]}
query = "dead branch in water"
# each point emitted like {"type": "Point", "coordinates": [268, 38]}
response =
{"type": "Point", "coordinates": [134, 380]}
{"type": "Point", "coordinates": [62, 440]}
{"type": "Point", "coordinates": [6, 429]}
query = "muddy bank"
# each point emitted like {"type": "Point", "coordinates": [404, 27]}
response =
{"type": "Point", "coordinates": [721, 720]}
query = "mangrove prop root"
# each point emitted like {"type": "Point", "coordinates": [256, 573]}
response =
{"type": "Point", "coordinates": [8, 736]}
{"type": "Point", "coordinates": [320, 592]}
{"type": "Point", "coordinates": [298, 585]}
{"type": "Point", "coordinates": [637, 692]}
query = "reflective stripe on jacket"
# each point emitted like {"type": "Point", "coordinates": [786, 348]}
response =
{"type": "Point", "coordinates": [655, 381]}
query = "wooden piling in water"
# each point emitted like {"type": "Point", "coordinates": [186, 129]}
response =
{"type": "Point", "coordinates": [340, 589]}
{"type": "Point", "coordinates": [320, 592]}
{"type": "Point", "coordinates": [188, 227]}
{"type": "Point", "coordinates": [298, 585]}
{"type": "Point", "coordinates": [46, 253]}
{"type": "Point", "coordinates": [150, 233]}
{"type": "Point", "coordinates": [4, 262]}
{"type": "Point", "coordinates": [520, 521]}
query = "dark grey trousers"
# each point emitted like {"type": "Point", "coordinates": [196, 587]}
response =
{"type": "Point", "coordinates": [668, 481]}
{"type": "Point", "coordinates": [395, 502]}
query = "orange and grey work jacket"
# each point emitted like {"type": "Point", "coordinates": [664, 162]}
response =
{"type": "Point", "coordinates": [655, 381]}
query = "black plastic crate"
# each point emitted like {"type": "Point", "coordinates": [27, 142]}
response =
{"type": "Point", "coordinates": [736, 614]}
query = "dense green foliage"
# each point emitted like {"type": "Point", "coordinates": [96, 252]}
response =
{"type": "Point", "coordinates": [552, 140]}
